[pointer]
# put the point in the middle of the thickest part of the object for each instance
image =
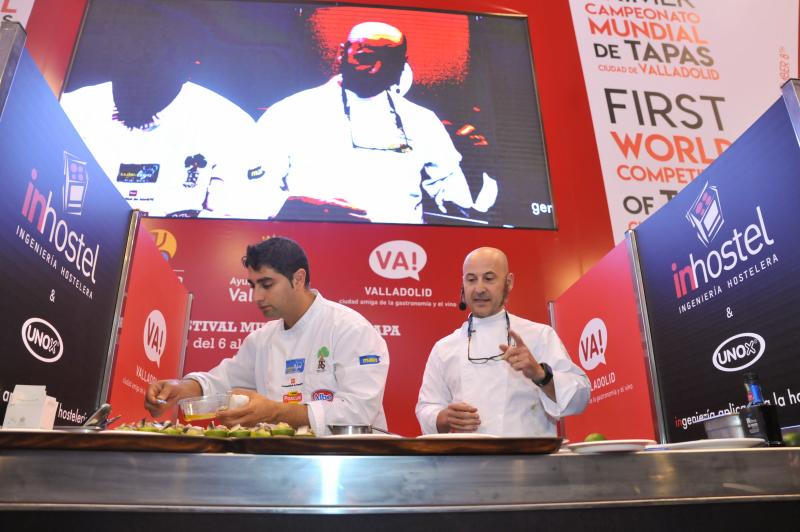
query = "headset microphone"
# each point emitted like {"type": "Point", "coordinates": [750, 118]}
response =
{"type": "Point", "coordinates": [462, 304]}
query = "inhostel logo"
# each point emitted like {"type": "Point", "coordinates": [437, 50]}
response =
{"type": "Point", "coordinates": [740, 247]}
{"type": "Point", "coordinates": [38, 209]}
{"type": "Point", "coordinates": [76, 180]}
{"type": "Point", "coordinates": [706, 214]}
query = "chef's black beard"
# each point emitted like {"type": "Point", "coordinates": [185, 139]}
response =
{"type": "Point", "coordinates": [368, 85]}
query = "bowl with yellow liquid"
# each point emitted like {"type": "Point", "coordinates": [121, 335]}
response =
{"type": "Point", "coordinates": [204, 407]}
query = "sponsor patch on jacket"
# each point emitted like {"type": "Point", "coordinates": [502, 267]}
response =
{"type": "Point", "coordinates": [138, 173]}
{"type": "Point", "coordinates": [292, 397]}
{"type": "Point", "coordinates": [292, 383]}
{"type": "Point", "coordinates": [322, 354]}
{"type": "Point", "coordinates": [295, 365]}
{"type": "Point", "coordinates": [322, 395]}
{"type": "Point", "coordinates": [369, 359]}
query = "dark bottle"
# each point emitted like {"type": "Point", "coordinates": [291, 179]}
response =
{"type": "Point", "coordinates": [753, 389]}
{"type": "Point", "coordinates": [759, 419]}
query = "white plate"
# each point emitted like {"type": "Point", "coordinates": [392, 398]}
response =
{"type": "Point", "coordinates": [456, 436]}
{"type": "Point", "coordinates": [373, 436]}
{"type": "Point", "coordinates": [715, 443]}
{"type": "Point", "coordinates": [610, 446]}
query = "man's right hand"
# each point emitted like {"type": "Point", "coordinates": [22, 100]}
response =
{"type": "Point", "coordinates": [163, 395]}
{"type": "Point", "coordinates": [458, 417]}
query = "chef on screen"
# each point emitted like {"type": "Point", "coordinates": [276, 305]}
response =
{"type": "Point", "coordinates": [357, 143]}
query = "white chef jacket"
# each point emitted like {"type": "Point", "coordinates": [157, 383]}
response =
{"type": "Point", "coordinates": [306, 144]}
{"type": "Point", "coordinates": [509, 404]}
{"type": "Point", "coordinates": [332, 360]}
{"type": "Point", "coordinates": [197, 122]}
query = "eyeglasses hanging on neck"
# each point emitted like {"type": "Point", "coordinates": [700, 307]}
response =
{"type": "Point", "coordinates": [484, 360]}
{"type": "Point", "coordinates": [396, 141]}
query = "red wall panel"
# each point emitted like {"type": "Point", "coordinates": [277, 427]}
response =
{"type": "Point", "coordinates": [52, 29]}
{"type": "Point", "coordinates": [605, 339]}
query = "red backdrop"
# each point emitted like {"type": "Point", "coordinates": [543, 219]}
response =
{"type": "Point", "coordinates": [404, 279]}
{"type": "Point", "coordinates": [546, 262]}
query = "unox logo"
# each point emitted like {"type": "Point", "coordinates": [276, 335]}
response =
{"type": "Point", "coordinates": [42, 340]}
{"type": "Point", "coordinates": [165, 242]}
{"type": "Point", "coordinates": [739, 352]}
{"type": "Point", "coordinates": [398, 259]}
{"type": "Point", "coordinates": [742, 245]}
{"type": "Point", "coordinates": [322, 395]}
{"type": "Point", "coordinates": [155, 336]}
{"type": "Point", "coordinates": [76, 181]}
{"type": "Point", "coordinates": [593, 343]}
{"type": "Point", "coordinates": [706, 214]}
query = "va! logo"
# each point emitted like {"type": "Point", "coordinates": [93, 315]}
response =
{"type": "Point", "coordinates": [398, 259]}
{"type": "Point", "coordinates": [155, 336]}
{"type": "Point", "coordinates": [706, 214]}
{"type": "Point", "coordinates": [593, 344]}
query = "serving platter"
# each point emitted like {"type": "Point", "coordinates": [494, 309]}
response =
{"type": "Point", "coordinates": [456, 436]}
{"type": "Point", "coordinates": [135, 441]}
{"type": "Point", "coordinates": [106, 441]}
{"type": "Point", "coordinates": [397, 446]}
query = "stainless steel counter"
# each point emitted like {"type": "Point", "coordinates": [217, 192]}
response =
{"type": "Point", "coordinates": [181, 482]}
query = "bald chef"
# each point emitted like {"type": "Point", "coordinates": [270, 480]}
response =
{"type": "Point", "coordinates": [498, 373]}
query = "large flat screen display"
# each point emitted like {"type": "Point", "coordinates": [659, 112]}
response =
{"type": "Point", "coordinates": [291, 111]}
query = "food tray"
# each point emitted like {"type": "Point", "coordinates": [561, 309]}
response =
{"type": "Point", "coordinates": [395, 446]}
{"type": "Point", "coordinates": [111, 441]}
{"type": "Point", "coordinates": [144, 441]}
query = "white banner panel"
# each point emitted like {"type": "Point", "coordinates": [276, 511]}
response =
{"type": "Point", "coordinates": [672, 83]}
{"type": "Point", "coordinates": [16, 10]}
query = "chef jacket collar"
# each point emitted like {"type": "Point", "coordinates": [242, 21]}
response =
{"type": "Point", "coordinates": [308, 316]}
{"type": "Point", "coordinates": [489, 320]}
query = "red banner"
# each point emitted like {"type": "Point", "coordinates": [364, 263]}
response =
{"type": "Point", "coordinates": [597, 319]}
{"type": "Point", "coordinates": [404, 279]}
{"type": "Point", "coordinates": [153, 321]}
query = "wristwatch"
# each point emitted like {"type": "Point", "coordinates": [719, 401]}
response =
{"type": "Point", "coordinates": [548, 375]}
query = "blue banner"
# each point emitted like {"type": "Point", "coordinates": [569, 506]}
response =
{"type": "Point", "coordinates": [720, 267]}
{"type": "Point", "coordinates": [63, 228]}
